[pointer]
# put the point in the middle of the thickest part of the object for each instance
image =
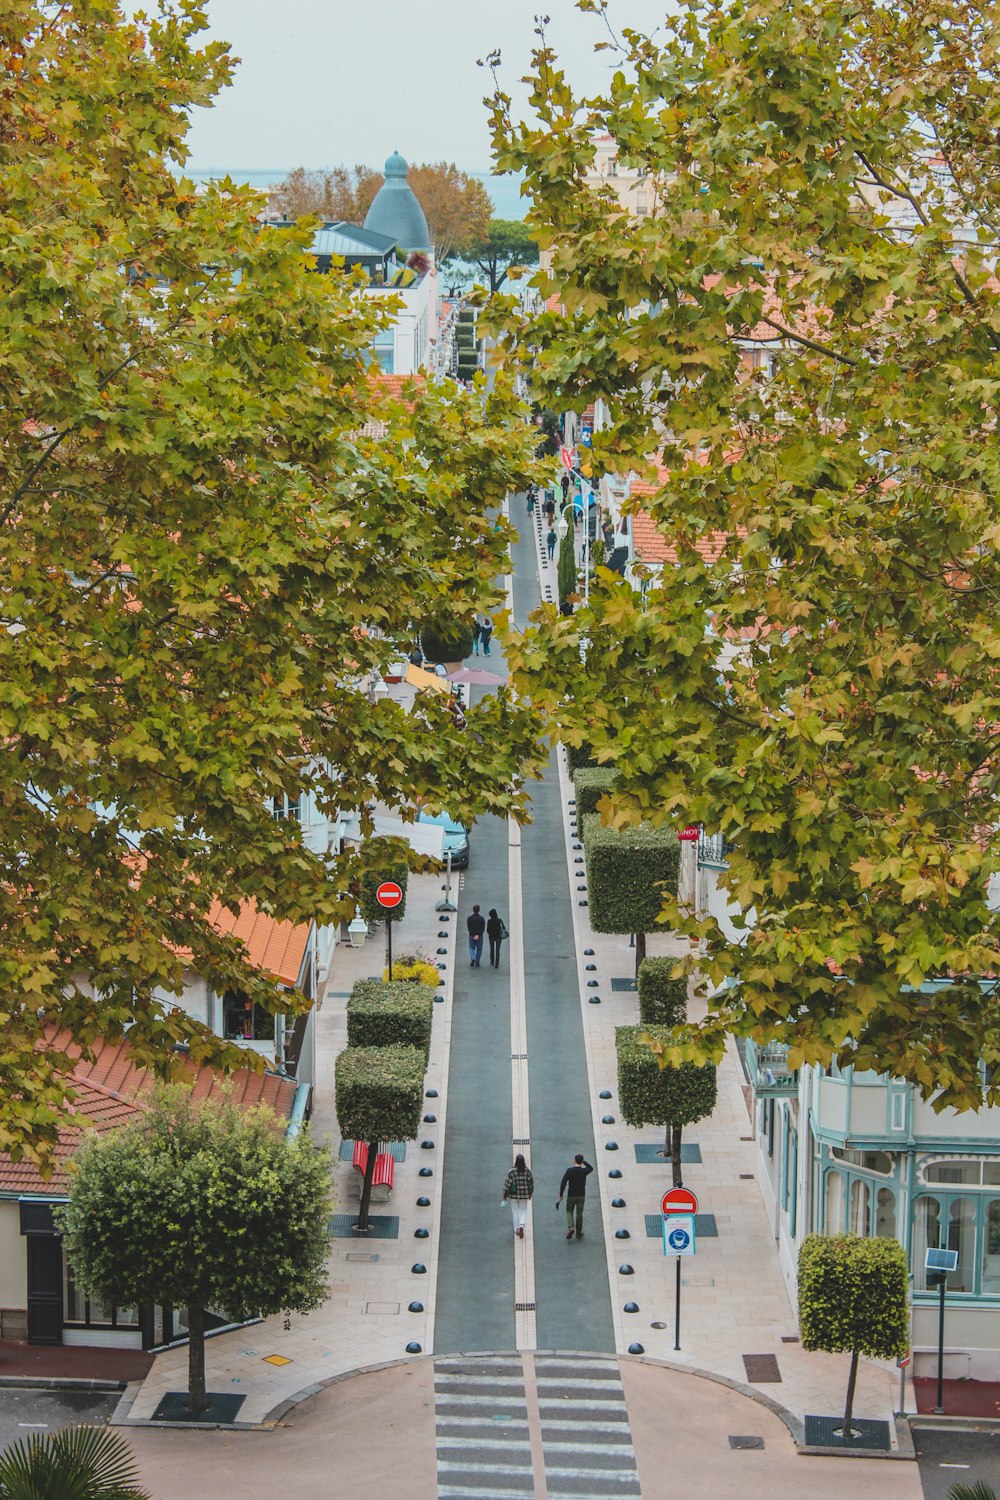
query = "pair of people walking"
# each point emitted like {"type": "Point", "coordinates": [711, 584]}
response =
{"type": "Point", "coordinates": [482, 634]}
{"type": "Point", "coordinates": [519, 1187]}
{"type": "Point", "coordinates": [477, 927]}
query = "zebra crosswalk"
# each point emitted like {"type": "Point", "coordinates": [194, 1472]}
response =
{"type": "Point", "coordinates": [484, 1448]}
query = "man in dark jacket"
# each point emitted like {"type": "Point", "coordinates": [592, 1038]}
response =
{"type": "Point", "coordinates": [476, 926]}
{"type": "Point", "coordinates": [574, 1186]}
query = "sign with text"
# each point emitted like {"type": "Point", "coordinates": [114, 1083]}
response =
{"type": "Point", "coordinates": [678, 1235]}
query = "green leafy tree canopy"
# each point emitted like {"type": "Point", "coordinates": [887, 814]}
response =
{"type": "Point", "coordinates": [207, 555]}
{"type": "Point", "coordinates": [800, 354]}
{"type": "Point", "coordinates": [507, 243]}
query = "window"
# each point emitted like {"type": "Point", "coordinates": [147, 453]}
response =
{"type": "Point", "coordinates": [885, 1214]}
{"type": "Point", "coordinates": [770, 1127]}
{"type": "Point", "coordinates": [286, 805]}
{"type": "Point", "coordinates": [794, 1171]}
{"type": "Point", "coordinates": [951, 1223]}
{"type": "Point", "coordinates": [87, 1311]}
{"type": "Point", "coordinates": [833, 1218]}
{"type": "Point", "coordinates": [641, 204]}
{"type": "Point", "coordinates": [869, 1161]}
{"type": "Point", "coordinates": [384, 346]}
{"type": "Point", "coordinates": [991, 1249]}
{"type": "Point", "coordinates": [860, 1198]}
{"type": "Point", "coordinates": [973, 1172]}
{"type": "Point", "coordinates": [244, 1021]}
{"type": "Point", "coordinates": [897, 1110]}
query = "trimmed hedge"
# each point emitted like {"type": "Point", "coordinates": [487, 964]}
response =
{"type": "Point", "coordinates": [391, 867]}
{"type": "Point", "coordinates": [566, 567]}
{"type": "Point", "coordinates": [380, 1092]}
{"type": "Point", "coordinates": [628, 873]}
{"type": "Point", "coordinates": [590, 784]}
{"type": "Point", "coordinates": [578, 756]}
{"type": "Point", "coordinates": [651, 1095]}
{"type": "Point", "coordinates": [852, 1295]}
{"type": "Point", "coordinates": [441, 642]}
{"type": "Point", "coordinates": [662, 999]}
{"type": "Point", "coordinates": [396, 1014]}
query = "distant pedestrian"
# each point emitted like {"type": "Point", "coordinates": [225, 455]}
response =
{"type": "Point", "coordinates": [565, 487]}
{"type": "Point", "coordinates": [476, 926]}
{"type": "Point", "coordinates": [477, 632]}
{"type": "Point", "coordinates": [496, 931]}
{"type": "Point", "coordinates": [550, 508]}
{"type": "Point", "coordinates": [417, 656]}
{"type": "Point", "coordinates": [532, 497]}
{"type": "Point", "coordinates": [486, 635]}
{"type": "Point", "coordinates": [574, 1186]}
{"type": "Point", "coordinates": [517, 1191]}
{"type": "Point", "coordinates": [550, 541]}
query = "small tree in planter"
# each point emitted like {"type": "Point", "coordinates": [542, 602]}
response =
{"type": "Point", "coordinates": [203, 1205]}
{"type": "Point", "coordinates": [662, 998]}
{"type": "Point", "coordinates": [853, 1296]}
{"type": "Point", "coordinates": [591, 783]}
{"type": "Point", "coordinates": [629, 871]}
{"type": "Point", "coordinates": [653, 1095]}
{"type": "Point", "coordinates": [379, 1098]}
{"type": "Point", "coordinates": [566, 568]}
{"type": "Point", "coordinates": [396, 1014]}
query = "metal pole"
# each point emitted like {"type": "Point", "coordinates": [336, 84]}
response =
{"type": "Point", "coordinates": [902, 1391]}
{"type": "Point", "coordinates": [677, 1308]}
{"type": "Point", "coordinates": [939, 1409]}
{"type": "Point", "coordinates": [586, 546]}
{"type": "Point", "coordinates": [388, 933]}
{"type": "Point", "coordinates": [447, 904]}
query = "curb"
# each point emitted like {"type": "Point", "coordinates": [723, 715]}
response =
{"type": "Point", "coordinates": [59, 1383]}
{"type": "Point", "coordinates": [931, 1422]}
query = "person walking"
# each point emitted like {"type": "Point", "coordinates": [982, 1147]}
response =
{"type": "Point", "coordinates": [550, 541]}
{"type": "Point", "coordinates": [486, 634]}
{"type": "Point", "coordinates": [574, 1186]}
{"type": "Point", "coordinates": [532, 497]}
{"type": "Point", "coordinates": [496, 931]}
{"type": "Point", "coordinates": [476, 926]}
{"type": "Point", "coordinates": [564, 482]}
{"type": "Point", "coordinates": [477, 631]}
{"type": "Point", "coordinates": [549, 508]}
{"type": "Point", "coordinates": [517, 1191]}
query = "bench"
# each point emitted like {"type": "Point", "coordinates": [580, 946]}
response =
{"type": "Point", "coordinates": [385, 1166]}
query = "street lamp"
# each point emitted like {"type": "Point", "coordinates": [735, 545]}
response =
{"type": "Point", "coordinates": [357, 930]}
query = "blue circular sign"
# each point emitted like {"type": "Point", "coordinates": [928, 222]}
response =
{"type": "Point", "coordinates": [678, 1239]}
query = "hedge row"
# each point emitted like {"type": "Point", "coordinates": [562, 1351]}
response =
{"type": "Point", "coordinates": [578, 756]}
{"type": "Point", "coordinates": [651, 1095]}
{"type": "Point", "coordinates": [396, 1014]}
{"type": "Point", "coordinates": [590, 784]}
{"type": "Point", "coordinates": [380, 1092]}
{"type": "Point", "coordinates": [629, 871]}
{"type": "Point", "coordinates": [662, 998]}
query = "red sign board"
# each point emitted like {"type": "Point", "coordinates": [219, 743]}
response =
{"type": "Point", "coordinates": [678, 1201]}
{"type": "Point", "coordinates": [689, 835]}
{"type": "Point", "coordinates": [389, 894]}
{"type": "Point", "coordinates": [567, 456]}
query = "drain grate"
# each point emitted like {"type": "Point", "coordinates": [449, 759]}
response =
{"type": "Point", "coordinates": [524, 1307]}
{"type": "Point", "coordinates": [519, 1057]}
{"type": "Point", "coordinates": [762, 1369]}
{"type": "Point", "coordinates": [821, 1432]}
{"type": "Point", "coordinates": [521, 1140]}
{"type": "Point", "coordinates": [382, 1309]}
{"type": "Point", "coordinates": [789, 1338]}
{"type": "Point", "coordinates": [359, 1258]}
{"type": "Point", "coordinates": [705, 1226]}
{"type": "Point", "coordinates": [623, 986]}
{"type": "Point", "coordinates": [746, 1177]}
{"type": "Point", "coordinates": [746, 1442]}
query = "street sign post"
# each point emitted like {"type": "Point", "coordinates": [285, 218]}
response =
{"type": "Point", "coordinates": [688, 835]}
{"type": "Point", "coordinates": [679, 1206]}
{"type": "Point", "coordinates": [388, 895]}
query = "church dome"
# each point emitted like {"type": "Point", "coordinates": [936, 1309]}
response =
{"type": "Point", "coordinates": [396, 210]}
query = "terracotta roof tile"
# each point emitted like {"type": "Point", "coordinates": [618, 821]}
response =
{"type": "Point", "coordinates": [649, 545]}
{"type": "Point", "coordinates": [111, 1090]}
{"type": "Point", "coordinates": [277, 948]}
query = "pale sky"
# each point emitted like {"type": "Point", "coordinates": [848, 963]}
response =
{"type": "Point", "coordinates": [328, 82]}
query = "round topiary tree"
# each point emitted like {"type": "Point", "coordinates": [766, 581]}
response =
{"type": "Point", "coordinates": [653, 1095]}
{"type": "Point", "coordinates": [853, 1296]}
{"type": "Point", "coordinates": [445, 641]}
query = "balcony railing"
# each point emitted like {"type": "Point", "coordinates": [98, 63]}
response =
{"type": "Point", "coordinates": [714, 850]}
{"type": "Point", "coordinates": [770, 1075]}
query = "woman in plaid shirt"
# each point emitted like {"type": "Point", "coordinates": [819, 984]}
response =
{"type": "Point", "coordinates": [518, 1188]}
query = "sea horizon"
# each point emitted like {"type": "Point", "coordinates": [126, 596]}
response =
{"type": "Point", "coordinates": [504, 191]}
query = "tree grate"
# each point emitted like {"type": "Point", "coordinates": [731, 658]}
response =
{"type": "Point", "coordinates": [222, 1407]}
{"type": "Point", "coordinates": [705, 1226]}
{"type": "Point", "coordinates": [624, 986]}
{"type": "Point", "coordinates": [381, 1227]}
{"type": "Point", "coordinates": [647, 1155]}
{"type": "Point", "coordinates": [821, 1432]}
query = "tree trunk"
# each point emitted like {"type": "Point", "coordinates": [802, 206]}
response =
{"type": "Point", "coordinates": [675, 1154]}
{"type": "Point", "coordinates": [640, 951]}
{"type": "Point", "coordinates": [366, 1186]}
{"type": "Point", "coordinates": [849, 1410]}
{"type": "Point", "coordinates": [197, 1400]}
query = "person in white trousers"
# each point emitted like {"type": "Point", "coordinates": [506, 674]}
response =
{"type": "Point", "coordinates": [517, 1190]}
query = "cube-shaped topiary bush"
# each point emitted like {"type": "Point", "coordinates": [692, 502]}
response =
{"type": "Point", "coordinates": [628, 872]}
{"type": "Point", "coordinates": [591, 783]}
{"type": "Point", "coordinates": [662, 998]}
{"type": "Point", "coordinates": [384, 1014]}
{"type": "Point", "coordinates": [388, 867]}
{"type": "Point", "coordinates": [380, 1094]}
{"type": "Point", "coordinates": [578, 756]}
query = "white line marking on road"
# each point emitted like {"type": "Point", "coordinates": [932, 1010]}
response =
{"type": "Point", "coordinates": [524, 1261]}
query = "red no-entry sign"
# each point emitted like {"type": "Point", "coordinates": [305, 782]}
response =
{"type": "Point", "coordinates": [389, 894]}
{"type": "Point", "coordinates": [678, 1201]}
{"type": "Point", "coordinates": [567, 456]}
{"type": "Point", "coordinates": [689, 835]}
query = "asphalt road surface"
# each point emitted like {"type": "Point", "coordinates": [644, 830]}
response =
{"type": "Point", "coordinates": [24, 1409]}
{"type": "Point", "coordinates": [948, 1458]}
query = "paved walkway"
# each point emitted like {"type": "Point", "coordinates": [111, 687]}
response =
{"type": "Point", "coordinates": [523, 1056]}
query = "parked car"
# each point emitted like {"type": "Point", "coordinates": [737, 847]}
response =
{"type": "Point", "coordinates": [456, 837]}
